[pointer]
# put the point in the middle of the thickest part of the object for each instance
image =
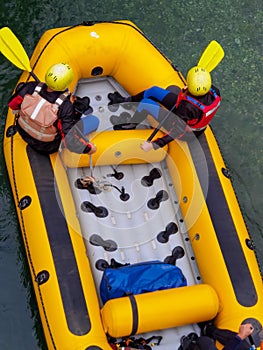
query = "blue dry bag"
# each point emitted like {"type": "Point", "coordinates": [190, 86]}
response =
{"type": "Point", "coordinates": [140, 278]}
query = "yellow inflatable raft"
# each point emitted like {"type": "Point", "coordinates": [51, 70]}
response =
{"type": "Point", "coordinates": [66, 242]}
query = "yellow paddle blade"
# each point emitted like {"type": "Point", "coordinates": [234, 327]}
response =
{"type": "Point", "coordinates": [13, 50]}
{"type": "Point", "coordinates": [212, 56]}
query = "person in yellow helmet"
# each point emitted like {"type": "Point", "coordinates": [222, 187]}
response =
{"type": "Point", "coordinates": [194, 106]}
{"type": "Point", "coordinates": [46, 112]}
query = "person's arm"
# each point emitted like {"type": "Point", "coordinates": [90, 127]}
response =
{"type": "Point", "coordinates": [75, 141]}
{"type": "Point", "coordinates": [233, 344]}
{"type": "Point", "coordinates": [20, 92]}
{"type": "Point", "coordinates": [162, 141]}
{"type": "Point", "coordinates": [176, 131]}
{"type": "Point", "coordinates": [66, 114]}
{"type": "Point", "coordinates": [244, 331]}
{"type": "Point", "coordinates": [216, 90]}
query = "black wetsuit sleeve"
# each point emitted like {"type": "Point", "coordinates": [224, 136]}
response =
{"type": "Point", "coordinates": [67, 116]}
{"type": "Point", "coordinates": [233, 344]}
{"type": "Point", "coordinates": [162, 141]}
{"type": "Point", "coordinates": [176, 130]}
{"type": "Point", "coordinates": [23, 89]}
{"type": "Point", "coordinates": [216, 90]}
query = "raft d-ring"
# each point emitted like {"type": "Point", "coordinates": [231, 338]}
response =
{"type": "Point", "coordinates": [250, 244]}
{"type": "Point", "coordinates": [11, 131]}
{"type": "Point", "coordinates": [42, 277]}
{"type": "Point", "coordinates": [118, 154]}
{"type": "Point", "coordinates": [24, 202]}
{"type": "Point", "coordinates": [226, 173]}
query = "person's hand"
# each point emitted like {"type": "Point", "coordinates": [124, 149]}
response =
{"type": "Point", "coordinates": [72, 98]}
{"type": "Point", "coordinates": [146, 146]}
{"type": "Point", "coordinates": [93, 148]}
{"type": "Point", "coordinates": [245, 330]}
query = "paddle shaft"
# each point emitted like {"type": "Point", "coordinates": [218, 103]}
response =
{"type": "Point", "coordinates": [160, 124]}
{"type": "Point", "coordinates": [87, 140]}
{"type": "Point", "coordinates": [34, 76]}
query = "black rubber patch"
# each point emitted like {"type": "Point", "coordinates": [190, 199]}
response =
{"type": "Point", "coordinates": [42, 277]}
{"type": "Point", "coordinates": [24, 202]}
{"type": "Point", "coordinates": [88, 207]}
{"type": "Point", "coordinates": [177, 253]}
{"type": "Point", "coordinates": [154, 203]}
{"type": "Point", "coordinates": [96, 71]}
{"type": "Point", "coordinates": [224, 227]}
{"type": "Point", "coordinates": [11, 131]}
{"type": "Point", "coordinates": [148, 180]}
{"type": "Point", "coordinates": [170, 229]}
{"type": "Point", "coordinates": [108, 244]}
{"type": "Point", "coordinates": [61, 246]}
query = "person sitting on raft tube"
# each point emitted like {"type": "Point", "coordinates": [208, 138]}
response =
{"type": "Point", "coordinates": [45, 113]}
{"type": "Point", "coordinates": [195, 106]}
{"type": "Point", "coordinates": [229, 339]}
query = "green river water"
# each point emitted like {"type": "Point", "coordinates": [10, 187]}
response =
{"type": "Point", "coordinates": [181, 30]}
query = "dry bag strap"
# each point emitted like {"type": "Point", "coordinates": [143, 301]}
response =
{"type": "Point", "coordinates": [134, 314]}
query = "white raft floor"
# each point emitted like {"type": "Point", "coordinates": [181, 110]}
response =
{"type": "Point", "coordinates": [131, 230]}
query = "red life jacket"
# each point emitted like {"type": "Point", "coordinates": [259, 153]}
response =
{"type": "Point", "coordinates": [37, 115]}
{"type": "Point", "coordinates": [208, 111]}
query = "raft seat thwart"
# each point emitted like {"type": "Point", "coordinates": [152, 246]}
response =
{"type": "Point", "coordinates": [161, 309]}
{"type": "Point", "coordinates": [116, 147]}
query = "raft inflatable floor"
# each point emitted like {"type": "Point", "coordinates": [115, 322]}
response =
{"type": "Point", "coordinates": [137, 229]}
{"type": "Point", "coordinates": [132, 219]}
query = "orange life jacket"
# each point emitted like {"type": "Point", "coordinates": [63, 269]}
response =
{"type": "Point", "coordinates": [37, 115]}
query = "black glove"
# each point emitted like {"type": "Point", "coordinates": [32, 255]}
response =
{"type": "Point", "coordinates": [82, 105]}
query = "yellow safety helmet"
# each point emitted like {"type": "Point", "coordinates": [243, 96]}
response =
{"type": "Point", "coordinates": [198, 81]}
{"type": "Point", "coordinates": [59, 76]}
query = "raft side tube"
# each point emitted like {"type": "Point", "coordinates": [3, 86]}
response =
{"type": "Point", "coordinates": [92, 47]}
{"type": "Point", "coordinates": [212, 232]}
